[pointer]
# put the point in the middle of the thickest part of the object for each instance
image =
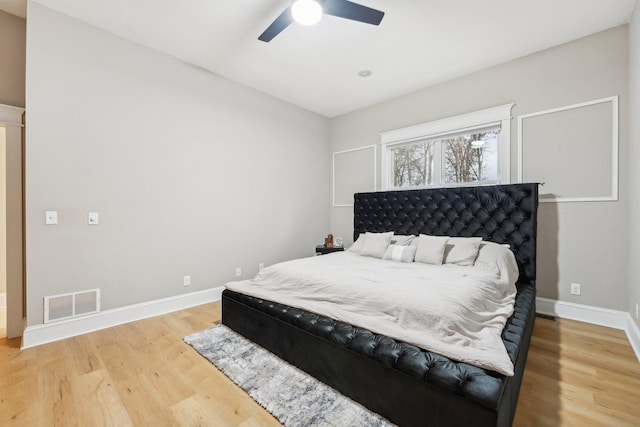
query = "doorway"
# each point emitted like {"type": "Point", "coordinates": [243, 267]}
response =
{"type": "Point", "coordinates": [3, 233]}
{"type": "Point", "coordinates": [11, 221]}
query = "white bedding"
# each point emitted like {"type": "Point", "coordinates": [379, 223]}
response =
{"type": "Point", "coordinates": [456, 311]}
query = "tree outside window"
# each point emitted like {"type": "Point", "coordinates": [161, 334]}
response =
{"type": "Point", "coordinates": [470, 158]}
{"type": "Point", "coordinates": [413, 165]}
{"type": "Point", "coordinates": [466, 158]}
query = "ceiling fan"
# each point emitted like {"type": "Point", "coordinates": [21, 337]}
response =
{"type": "Point", "coordinates": [309, 12]}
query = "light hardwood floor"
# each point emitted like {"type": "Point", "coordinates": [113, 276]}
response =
{"type": "Point", "coordinates": [142, 374]}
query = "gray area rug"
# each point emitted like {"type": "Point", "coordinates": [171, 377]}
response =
{"type": "Point", "coordinates": [289, 394]}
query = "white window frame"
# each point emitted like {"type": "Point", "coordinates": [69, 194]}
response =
{"type": "Point", "coordinates": [497, 116]}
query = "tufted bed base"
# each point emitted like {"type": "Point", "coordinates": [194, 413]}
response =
{"type": "Point", "coordinates": [407, 385]}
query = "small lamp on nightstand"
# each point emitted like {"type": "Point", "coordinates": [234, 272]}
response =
{"type": "Point", "coordinates": [330, 245]}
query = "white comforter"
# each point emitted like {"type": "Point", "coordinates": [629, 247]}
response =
{"type": "Point", "coordinates": [456, 311]}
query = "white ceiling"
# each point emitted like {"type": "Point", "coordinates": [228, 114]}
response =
{"type": "Point", "coordinates": [418, 44]}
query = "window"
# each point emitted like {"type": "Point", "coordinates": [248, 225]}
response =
{"type": "Point", "coordinates": [471, 149]}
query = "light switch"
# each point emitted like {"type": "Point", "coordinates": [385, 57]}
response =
{"type": "Point", "coordinates": [93, 218]}
{"type": "Point", "coordinates": [51, 217]}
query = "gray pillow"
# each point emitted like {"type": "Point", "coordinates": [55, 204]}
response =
{"type": "Point", "coordinates": [376, 244]}
{"type": "Point", "coordinates": [431, 249]}
{"type": "Point", "coordinates": [462, 250]}
{"type": "Point", "coordinates": [400, 253]}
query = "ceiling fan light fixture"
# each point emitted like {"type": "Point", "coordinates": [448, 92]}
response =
{"type": "Point", "coordinates": [306, 12]}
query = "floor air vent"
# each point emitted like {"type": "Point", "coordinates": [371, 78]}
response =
{"type": "Point", "coordinates": [67, 306]}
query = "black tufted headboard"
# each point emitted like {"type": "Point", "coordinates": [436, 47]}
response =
{"type": "Point", "coordinates": [497, 213]}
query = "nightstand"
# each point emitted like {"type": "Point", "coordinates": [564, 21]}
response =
{"type": "Point", "coordinates": [322, 250]}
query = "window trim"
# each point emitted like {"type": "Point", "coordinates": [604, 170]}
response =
{"type": "Point", "coordinates": [500, 115]}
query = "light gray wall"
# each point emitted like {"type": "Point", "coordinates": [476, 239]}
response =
{"type": "Point", "coordinates": [12, 59]}
{"type": "Point", "coordinates": [191, 174]}
{"type": "Point", "coordinates": [634, 158]}
{"type": "Point", "coordinates": [578, 242]}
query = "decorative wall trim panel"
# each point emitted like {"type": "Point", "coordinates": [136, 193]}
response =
{"type": "Point", "coordinates": [571, 168]}
{"type": "Point", "coordinates": [342, 183]}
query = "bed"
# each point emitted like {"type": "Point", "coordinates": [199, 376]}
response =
{"type": "Point", "coordinates": [407, 384]}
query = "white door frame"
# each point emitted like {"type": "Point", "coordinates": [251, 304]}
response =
{"type": "Point", "coordinates": [11, 120]}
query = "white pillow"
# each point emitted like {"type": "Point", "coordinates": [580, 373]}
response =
{"type": "Point", "coordinates": [402, 240]}
{"type": "Point", "coordinates": [499, 259]}
{"type": "Point", "coordinates": [462, 250]}
{"type": "Point", "coordinates": [431, 249]}
{"type": "Point", "coordinates": [358, 244]}
{"type": "Point", "coordinates": [400, 253]}
{"type": "Point", "coordinates": [376, 244]}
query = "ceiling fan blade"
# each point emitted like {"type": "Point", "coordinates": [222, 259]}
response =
{"type": "Point", "coordinates": [355, 12]}
{"type": "Point", "coordinates": [277, 26]}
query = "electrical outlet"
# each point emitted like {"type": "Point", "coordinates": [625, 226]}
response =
{"type": "Point", "coordinates": [93, 218]}
{"type": "Point", "coordinates": [261, 266]}
{"type": "Point", "coordinates": [575, 289]}
{"type": "Point", "coordinates": [238, 272]}
{"type": "Point", "coordinates": [51, 217]}
{"type": "Point", "coordinates": [186, 280]}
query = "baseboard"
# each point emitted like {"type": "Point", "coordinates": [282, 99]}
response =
{"type": "Point", "coordinates": [595, 315]}
{"type": "Point", "coordinates": [3, 300]}
{"type": "Point", "coordinates": [633, 333]}
{"type": "Point", "coordinates": [45, 333]}
{"type": "Point", "coordinates": [584, 313]}
{"type": "Point", "coordinates": [41, 334]}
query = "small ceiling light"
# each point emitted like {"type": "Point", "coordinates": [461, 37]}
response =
{"type": "Point", "coordinates": [306, 12]}
{"type": "Point", "coordinates": [365, 73]}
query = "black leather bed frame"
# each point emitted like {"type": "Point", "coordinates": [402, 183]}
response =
{"type": "Point", "coordinates": [408, 385]}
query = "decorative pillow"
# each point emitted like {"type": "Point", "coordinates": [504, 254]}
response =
{"type": "Point", "coordinates": [431, 249]}
{"type": "Point", "coordinates": [402, 240]}
{"type": "Point", "coordinates": [400, 253]}
{"type": "Point", "coordinates": [376, 244]}
{"type": "Point", "coordinates": [462, 250]}
{"type": "Point", "coordinates": [358, 244]}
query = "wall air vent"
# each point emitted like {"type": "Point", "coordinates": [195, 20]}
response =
{"type": "Point", "coordinates": [67, 306]}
